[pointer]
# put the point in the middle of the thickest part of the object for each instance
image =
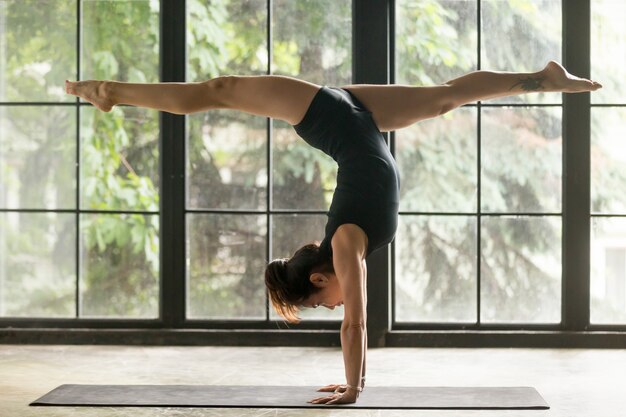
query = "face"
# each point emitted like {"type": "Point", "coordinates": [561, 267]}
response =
{"type": "Point", "coordinates": [329, 295]}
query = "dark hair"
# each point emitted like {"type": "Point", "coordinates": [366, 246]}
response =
{"type": "Point", "coordinates": [287, 280]}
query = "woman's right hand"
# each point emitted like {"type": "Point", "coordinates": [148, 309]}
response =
{"type": "Point", "coordinates": [338, 388]}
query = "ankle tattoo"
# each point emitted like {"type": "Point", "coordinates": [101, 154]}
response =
{"type": "Point", "coordinates": [529, 84]}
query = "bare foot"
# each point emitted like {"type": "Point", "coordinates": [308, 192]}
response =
{"type": "Point", "coordinates": [558, 79]}
{"type": "Point", "coordinates": [93, 91]}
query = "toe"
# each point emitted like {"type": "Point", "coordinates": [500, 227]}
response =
{"type": "Point", "coordinates": [594, 85]}
{"type": "Point", "coordinates": [582, 84]}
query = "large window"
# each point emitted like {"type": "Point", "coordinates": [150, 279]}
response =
{"type": "Point", "coordinates": [79, 189]}
{"type": "Point", "coordinates": [79, 194]}
{"type": "Point", "coordinates": [608, 164]}
{"type": "Point", "coordinates": [481, 186]}
{"type": "Point", "coordinates": [229, 160]}
{"type": "Point", "coordinates": [136, 218]}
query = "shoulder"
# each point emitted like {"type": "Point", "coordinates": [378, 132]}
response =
{"type": "Point", "coordinates": [349, 241]}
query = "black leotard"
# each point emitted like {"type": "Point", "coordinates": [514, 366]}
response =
{"type": "Point", "coordinates": [368, 183]}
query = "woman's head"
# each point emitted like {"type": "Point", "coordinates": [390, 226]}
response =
{"type": "Point", "coordinates": [291, 281]}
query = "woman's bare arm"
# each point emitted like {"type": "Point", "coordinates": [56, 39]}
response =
{"type": "Point", "coordinates": [349, 245]}
{"type": "Point", "coordinates": [354, 327]}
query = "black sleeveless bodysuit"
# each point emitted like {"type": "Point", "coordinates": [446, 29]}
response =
{"type": "Point", "coordinates": [368, 183]}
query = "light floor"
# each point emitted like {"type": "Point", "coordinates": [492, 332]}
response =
{"type": "Point", "coordinates": [590, 383]}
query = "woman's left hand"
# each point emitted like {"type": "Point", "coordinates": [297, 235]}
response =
{"type": "Point", "coordinates": [347, 397]}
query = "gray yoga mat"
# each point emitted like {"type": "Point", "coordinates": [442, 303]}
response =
{"type": "Point", "coordinates": [292, 397]}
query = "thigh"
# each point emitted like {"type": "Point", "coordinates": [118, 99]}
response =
{"type": "Point", "coordinates": [276, 96]}
{"type": "Point", "coordinates": [396, 106]}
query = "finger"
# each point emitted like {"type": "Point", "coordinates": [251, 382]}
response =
{"type": "Point", "coordinates": [338, 400]}
{"type": "Point", "coordinates": [318, 399]}
{"type": "Point", "coordinates": [327, 399]}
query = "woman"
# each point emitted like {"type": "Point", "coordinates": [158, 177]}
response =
{"type": "Point", "coordinates": [345, 123]}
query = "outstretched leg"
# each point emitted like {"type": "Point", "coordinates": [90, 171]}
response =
{"type": "Point", "coordinates": [276, 96]}
{"type": "Point", "coordinates": [397, 106]}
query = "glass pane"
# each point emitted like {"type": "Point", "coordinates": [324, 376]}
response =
{"type": "Point", "coordinates": [226, 37]}
{"type": "Point", "coordinates": [225, 260]}
{"type": "Point", "coordinates": [435, 40]}
{"type": "Point", "coordinates": [120, 40]}
{"type": "Point", "coordinates": [37, 157]}
{"type": "Point", "coordinates": [608, 60]}
{"type": "Point", "coordinates": [119, 270]}
{"type": "Point", "coordinates": [37, 49]}
{"type": "Point", "coordinates": [521, 159]}
{"type": "Point", "coordinates": [520, 269]}
{"type": "Point", "coordinates": [227, 161]}
{"type": "Point", "coordinates": [435, 269]}
{"type": "Point", "coordinates": [303, 177]}
{"type": "Point", "coordinates": [608, 159]}
{"type": "Point", "coordinates": [119, 159]}
{"type": "Point", "coordinates": [312, 40]}
{"type": "Point", "coordinates": [437, 163]}
{"type": "Point", "coordinates": [521, 36]}
{"type": "Point", "coordinates": [37, 265]}
{"type": "Point", "coordinates": [608, 271]}
{"type": "Point", "coordinates": [290, 233]}
{"type": "Point", "coordinates": [227, 150]}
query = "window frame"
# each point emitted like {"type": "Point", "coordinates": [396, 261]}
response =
{"type": "Point", "coordinates": [373, 62]}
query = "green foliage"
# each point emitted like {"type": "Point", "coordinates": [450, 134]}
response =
{"type": "Point", "coordinates": [122, 251]}
{"type": "Point", "coordinates": [431, 40]}
{"type": "Point", "coordinates": [520, 162]}
{"type": "Point", "coordinates": [119, 155]}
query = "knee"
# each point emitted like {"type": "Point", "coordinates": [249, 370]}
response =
{"type": "Point", "coordinates": [222, 90]}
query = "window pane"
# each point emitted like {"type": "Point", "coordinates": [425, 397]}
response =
{"type": "Point", "coordinates": [119, 159]}
{"type": "Point", "coordinates": [608, 60]}
{"type": "Point", "coordinates": [435, 40]}
{"type": "Point", "coordinates": [226, 149]}
{"type": "Point", "coordinates": [437, 163]}
{"type": "Point", "coordinates": [37, 49]}
{"type": "Point", "coordinates": [119, 268]}
{"type": "Point", "coordinates": [37, 265]}
{"type": "Point", "coordinates": [608, 159]}
{"type": "Point", "coordinates": [290, 233]}
{"type": "Point", "coordinates": [120, 40]}
{"type": "Point", "coordinates": [37, 157]}
{"type": "Point", "coordinates": [227, 161]}
{"type": "Point", "coordinates": [521, 158]}
{"type": "Point", "coordinates": [226, 37]}
{"type": "Point", "coordinates": [520, 269]}
{"type": "Point", "coordinates": [312, 40]}
{"type": "Point", "coordinates": [608, 270]}
{"type": "Point", "coordinates": [303, 177]}
{"type": "Point", "coordinates": [435, 269]}
{"type": "Point", "coordinates": [225, 263]}
{"type": "Point", "coordinates": [521, 36]}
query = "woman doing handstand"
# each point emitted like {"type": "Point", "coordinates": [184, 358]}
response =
{"type": "Point", "coordinates": [345, 123]}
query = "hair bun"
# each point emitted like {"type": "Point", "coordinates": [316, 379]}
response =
{"type": "Point", "coordinates": [278, 268]}
{"type": "Point", "coordinates": [287, 279]}
{"type": "Point", "coordinates": [282, 263]}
